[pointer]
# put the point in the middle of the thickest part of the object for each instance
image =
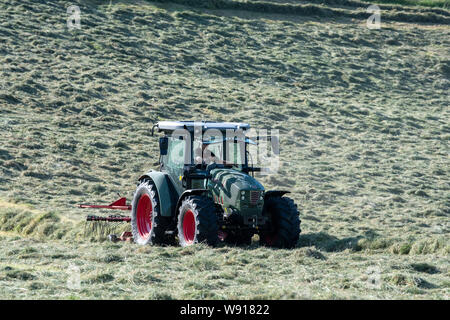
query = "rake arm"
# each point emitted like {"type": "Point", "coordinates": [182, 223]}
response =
{"type": "Point", "coordinates": [112, 218]}
{"type": "Point", "coordinates": [120, 204]}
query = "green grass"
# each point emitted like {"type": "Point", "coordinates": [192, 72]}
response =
{"type": "Point", "coordinates": [363, 116]}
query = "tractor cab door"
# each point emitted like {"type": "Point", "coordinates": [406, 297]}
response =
{"type": "Point", "coordinates": [173, 162]}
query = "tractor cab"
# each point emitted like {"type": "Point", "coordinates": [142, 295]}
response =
{"type": "Point", "coordinates": [189, 151]}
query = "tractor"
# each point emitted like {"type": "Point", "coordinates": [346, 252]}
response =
{"type": "Point", "coordinates": [205, 191]}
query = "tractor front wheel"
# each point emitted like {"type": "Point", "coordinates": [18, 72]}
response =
{"type": "Point", "coordinates": [147, 224]}
{"type": "Point", "coordinates": [285, 229]}
{"type": "Point", "coordinates": [197, 221]}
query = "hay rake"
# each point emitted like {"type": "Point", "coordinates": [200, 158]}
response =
{"type": "Point", "coordinates": [109, 225]}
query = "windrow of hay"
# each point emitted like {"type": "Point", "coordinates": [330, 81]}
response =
{"type": "Point", "coordinates": [403, 5]}
{"type": "Point", "coordinates": [327, 243]}
{"type": "Point", "coordinates": [34, 224]}
{"type": "Point", "coordinates": [431, 245]}
{"type": "Point", "coordinates": [26, 221]}
{"type": "Point", "coordinates": [389, 13]}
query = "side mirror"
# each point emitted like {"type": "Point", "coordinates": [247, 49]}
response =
{"type": "Point", "coordinates": [163, 145]}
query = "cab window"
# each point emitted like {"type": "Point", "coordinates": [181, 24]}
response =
{"type": "Point", "coordinates": [176, 153]}
{"type": "Point", "coordinates": [236, 153]}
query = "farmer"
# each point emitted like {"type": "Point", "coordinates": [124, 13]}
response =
{"type": "Point", "coordinates": [204, 155]}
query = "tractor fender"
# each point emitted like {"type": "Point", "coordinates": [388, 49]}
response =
{"type": "Point", "coordinates": [275, 193]}
{"type": "Point", "coordinates": [188, 193]}
{"type": "Point", "coordinates": [166, 191]}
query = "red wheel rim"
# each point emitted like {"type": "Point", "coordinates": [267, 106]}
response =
{"type": "Point", "coordinates": [189, 227]}
{"type": "Point", "coordinates": [144, 216]}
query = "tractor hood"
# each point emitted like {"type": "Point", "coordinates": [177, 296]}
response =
{"type": "Point", "coordinates": [239, 194]}
{"type": "Point", "coordinates": [234, 181]}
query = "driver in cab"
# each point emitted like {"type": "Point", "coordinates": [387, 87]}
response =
{"type": "Point", "coordinates": [206, 156]}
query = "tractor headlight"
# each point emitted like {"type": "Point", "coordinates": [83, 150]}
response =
{"type": "Point", "coordinates": [242, 193]}
{"type": "Point", "coordinates": [242, 198]}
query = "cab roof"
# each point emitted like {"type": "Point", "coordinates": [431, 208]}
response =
{"type": "Point", "coordinates": [169, 126]}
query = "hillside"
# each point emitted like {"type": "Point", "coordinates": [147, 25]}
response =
{"type": "Point", "coordinates": [363, 116]}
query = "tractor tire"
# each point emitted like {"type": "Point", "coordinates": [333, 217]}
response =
{"type": "Point", "coordinates": [285, 229]}
{"type": "Point", "coordinates": [197, 221]}
{"type": "Point", "coordinates": [239, 238]}
{"type": "Point", "coordinates": [147, 224]}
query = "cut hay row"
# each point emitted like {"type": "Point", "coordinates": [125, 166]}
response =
{"type": "Point", "coordinates": [319, 10]}
{"type": "Point", "coordinates": [438, 7]}
{"type": "Point", "coordinates": [26, 221]}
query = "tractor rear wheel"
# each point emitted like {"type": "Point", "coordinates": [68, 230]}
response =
{"type": "Point", "coordinates": [197, 221]}
{"type": "Point", "coordinates": [285, 229]}
{"type": "Point", "coordinates": [147, 224]}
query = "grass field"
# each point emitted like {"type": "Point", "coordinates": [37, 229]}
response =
{"type": "Point", "coordinates": [363, 116]}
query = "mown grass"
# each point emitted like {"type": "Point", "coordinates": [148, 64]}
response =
{"type": "Point", "coordinates": [363, 117]}
{"type": "Point", "coordinates": [332, 9]}
{"type": "Point", "coordinates": [356, 3]}
{"type": "Point", "coordinates": [321, 267]}
{"type": "Point", "coordinates": [34, 269]}
{"type": "Point", "coordinates": [427, 3]}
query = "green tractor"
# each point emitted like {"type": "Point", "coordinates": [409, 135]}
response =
{"type": "Point", "coordinates": [204, 192]}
